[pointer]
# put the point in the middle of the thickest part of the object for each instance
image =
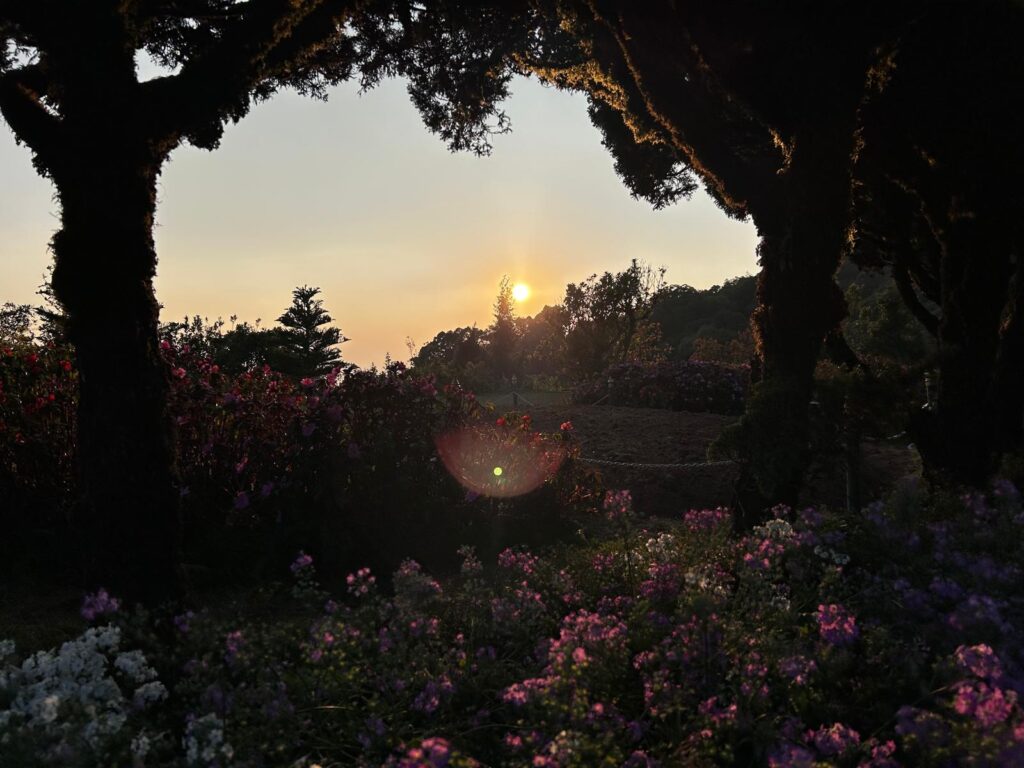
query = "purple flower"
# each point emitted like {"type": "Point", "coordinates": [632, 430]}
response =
{"type": "Point", "coordinates": [836, 625]}
{"type": "Point", "coordinates": [302, 562]}
{"type": "Point", "coordinates": [241, 500]}
{"type": "Point", "coordinates": [834, 740]}
{"type": "Point", "coordinates": [980, 660]}
{"type": "Point", "coordinates": [99, 603]}
{"type": "Point", "coordinates": [182, 622]}
{"type": "Point", "coordinates": [797, 668]}
{"type": "Point", "coordinates": [790, 756]}
{"type": "Point", "coordinates": [233, 642]}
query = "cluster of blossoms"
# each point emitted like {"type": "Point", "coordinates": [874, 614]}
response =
{"type": "Point", "coordinates": [618, 505]}
{"type": "Point", "coordinates": [654, 649]}
{"type": "Point", "coordinates": [204, 743]}
{"type": "Point", "coordinates": [836, 625]}
{"type": "Point", "coordinates": [98, 604]}
{"type": "Point", "coordinates": [360, 583]}
{"type": "Point", "coordinates": [70, 701]}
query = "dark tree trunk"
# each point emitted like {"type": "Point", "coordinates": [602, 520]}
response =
{"type": "Point", "coordinates": [977, 411]}
{"type": "Point", "coordinates": [105, 264]}
{"type": "Point", "coordinates": [799, 304]}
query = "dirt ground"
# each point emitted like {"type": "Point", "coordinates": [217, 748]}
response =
{"type": "Point", "coordinates": [653, 436]}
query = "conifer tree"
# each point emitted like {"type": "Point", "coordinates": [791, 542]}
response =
{"type": "Point", "coordinates": [503, 335]}
{"type": "Point", "coordinates": [309, 348]}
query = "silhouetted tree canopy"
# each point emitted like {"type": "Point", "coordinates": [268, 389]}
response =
{"type": "Point", "coordinates": [311, 347]}
{"type": "Point", "coordinates": [70, 90]}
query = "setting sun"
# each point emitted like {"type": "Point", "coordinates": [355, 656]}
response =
{"type": "Point", "coordinates": [520, 291]}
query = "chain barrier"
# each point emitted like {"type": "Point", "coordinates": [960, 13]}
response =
{"type": "Point", "coordinates": [517, 398]}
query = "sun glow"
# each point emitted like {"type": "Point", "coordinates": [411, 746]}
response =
{"type": "Point", "coordinates": [520, 291]}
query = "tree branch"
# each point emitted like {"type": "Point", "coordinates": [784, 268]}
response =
{"type": "Point", "coordinates": [22, 107]}
{"type": "Point", "coordinates": [263, 43]}
{"type": "Point", "coordinates": [913, 303]}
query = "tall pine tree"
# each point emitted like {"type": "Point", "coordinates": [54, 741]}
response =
{"type": "Point", "coordinates": [503, 334]}
{"type": "Point", "coordinates": [308, 341]}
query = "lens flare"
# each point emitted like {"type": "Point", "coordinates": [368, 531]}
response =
{"type": "Point", "coordinates": [497, 461]}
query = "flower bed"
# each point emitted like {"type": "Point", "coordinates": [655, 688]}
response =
{"type": "Point", "coordinates": [876, 640]}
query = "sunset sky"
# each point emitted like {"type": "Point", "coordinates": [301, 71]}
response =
{"type": "Point", "coordinates": [404, 238]}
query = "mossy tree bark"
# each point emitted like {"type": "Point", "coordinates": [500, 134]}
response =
{"type": "Point", "coordinates": [105, 161]}
{"type": "Point", "coordinates": [799, 305]}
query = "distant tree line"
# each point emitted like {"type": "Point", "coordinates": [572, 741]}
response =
{"type": "Point", "coordinates": [304, 344]}
{"type": "Point", "coordinates": [634, 316]}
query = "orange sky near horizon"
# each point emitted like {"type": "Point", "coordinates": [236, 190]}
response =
{"type": "Point", "coordinates": [404, 238]}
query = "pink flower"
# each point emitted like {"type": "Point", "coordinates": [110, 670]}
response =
{"type": "Point", "coordinates": [836, 625]}
{"type": "Point", "coordinates": [360, 582]}
{"type": "Point", "coordinates": [178, 373]}
{"type": "Point", "coordinates": [618, 504]}
{"type": "Point", "coordinates": [834, 740]}
{"type": "Point", "coordinates": [566, 426]}
{"type": "Point", "coordinates": [979, 660]}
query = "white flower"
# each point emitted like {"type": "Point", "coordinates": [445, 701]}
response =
{"type": "Point", "coordinates": [830, 555]}
{"type": "Point", "coordinates": [133, 664]}
{"type": "Point", "coordinates": [78, 674]}
{"type": "Point", "coordinates": [777, 530]}
{"type": "Point", "coordinates": [47, 708]}
{"type": "Point", "coordinates": [140, 745]}
{"type": "Point", "coordinates": [149, 693]}
{"type": "Point", "coordinates": [204, 740]}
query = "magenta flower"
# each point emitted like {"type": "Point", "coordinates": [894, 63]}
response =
{"type": "Point", "coordinates": [979, 660]}
{"type": "Point", "coordinates": [618, 504]}
{"type": "Point", "coordinates": [434, 752]}
{"type": "Point", "coordinates": [836, 625]}
{"type": "Point", "coordinates": [302, 562]}
{"type": "Point", "coordinates": [100, 603]}
{"type": "Point", "coordinates": [360, 582]}
{"type": "Point", "coordinates": [834, 740]}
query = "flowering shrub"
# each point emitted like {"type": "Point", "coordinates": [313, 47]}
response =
{"type": "Point", "coordinates": [87, 699]}
{"type": "Point", "coordinates": [888, 638]}
{"type": "Point", "coordinates": [677, 385]}
{"type": "Point", "coordinates": [269, 464]}
{"type": "Point", "coordinates": [38, 397]}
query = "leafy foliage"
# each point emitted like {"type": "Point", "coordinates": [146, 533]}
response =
{"type": "Point", "coordinates": [878, 640]}
{"type": "Point", "coordinates": [313, 349]}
